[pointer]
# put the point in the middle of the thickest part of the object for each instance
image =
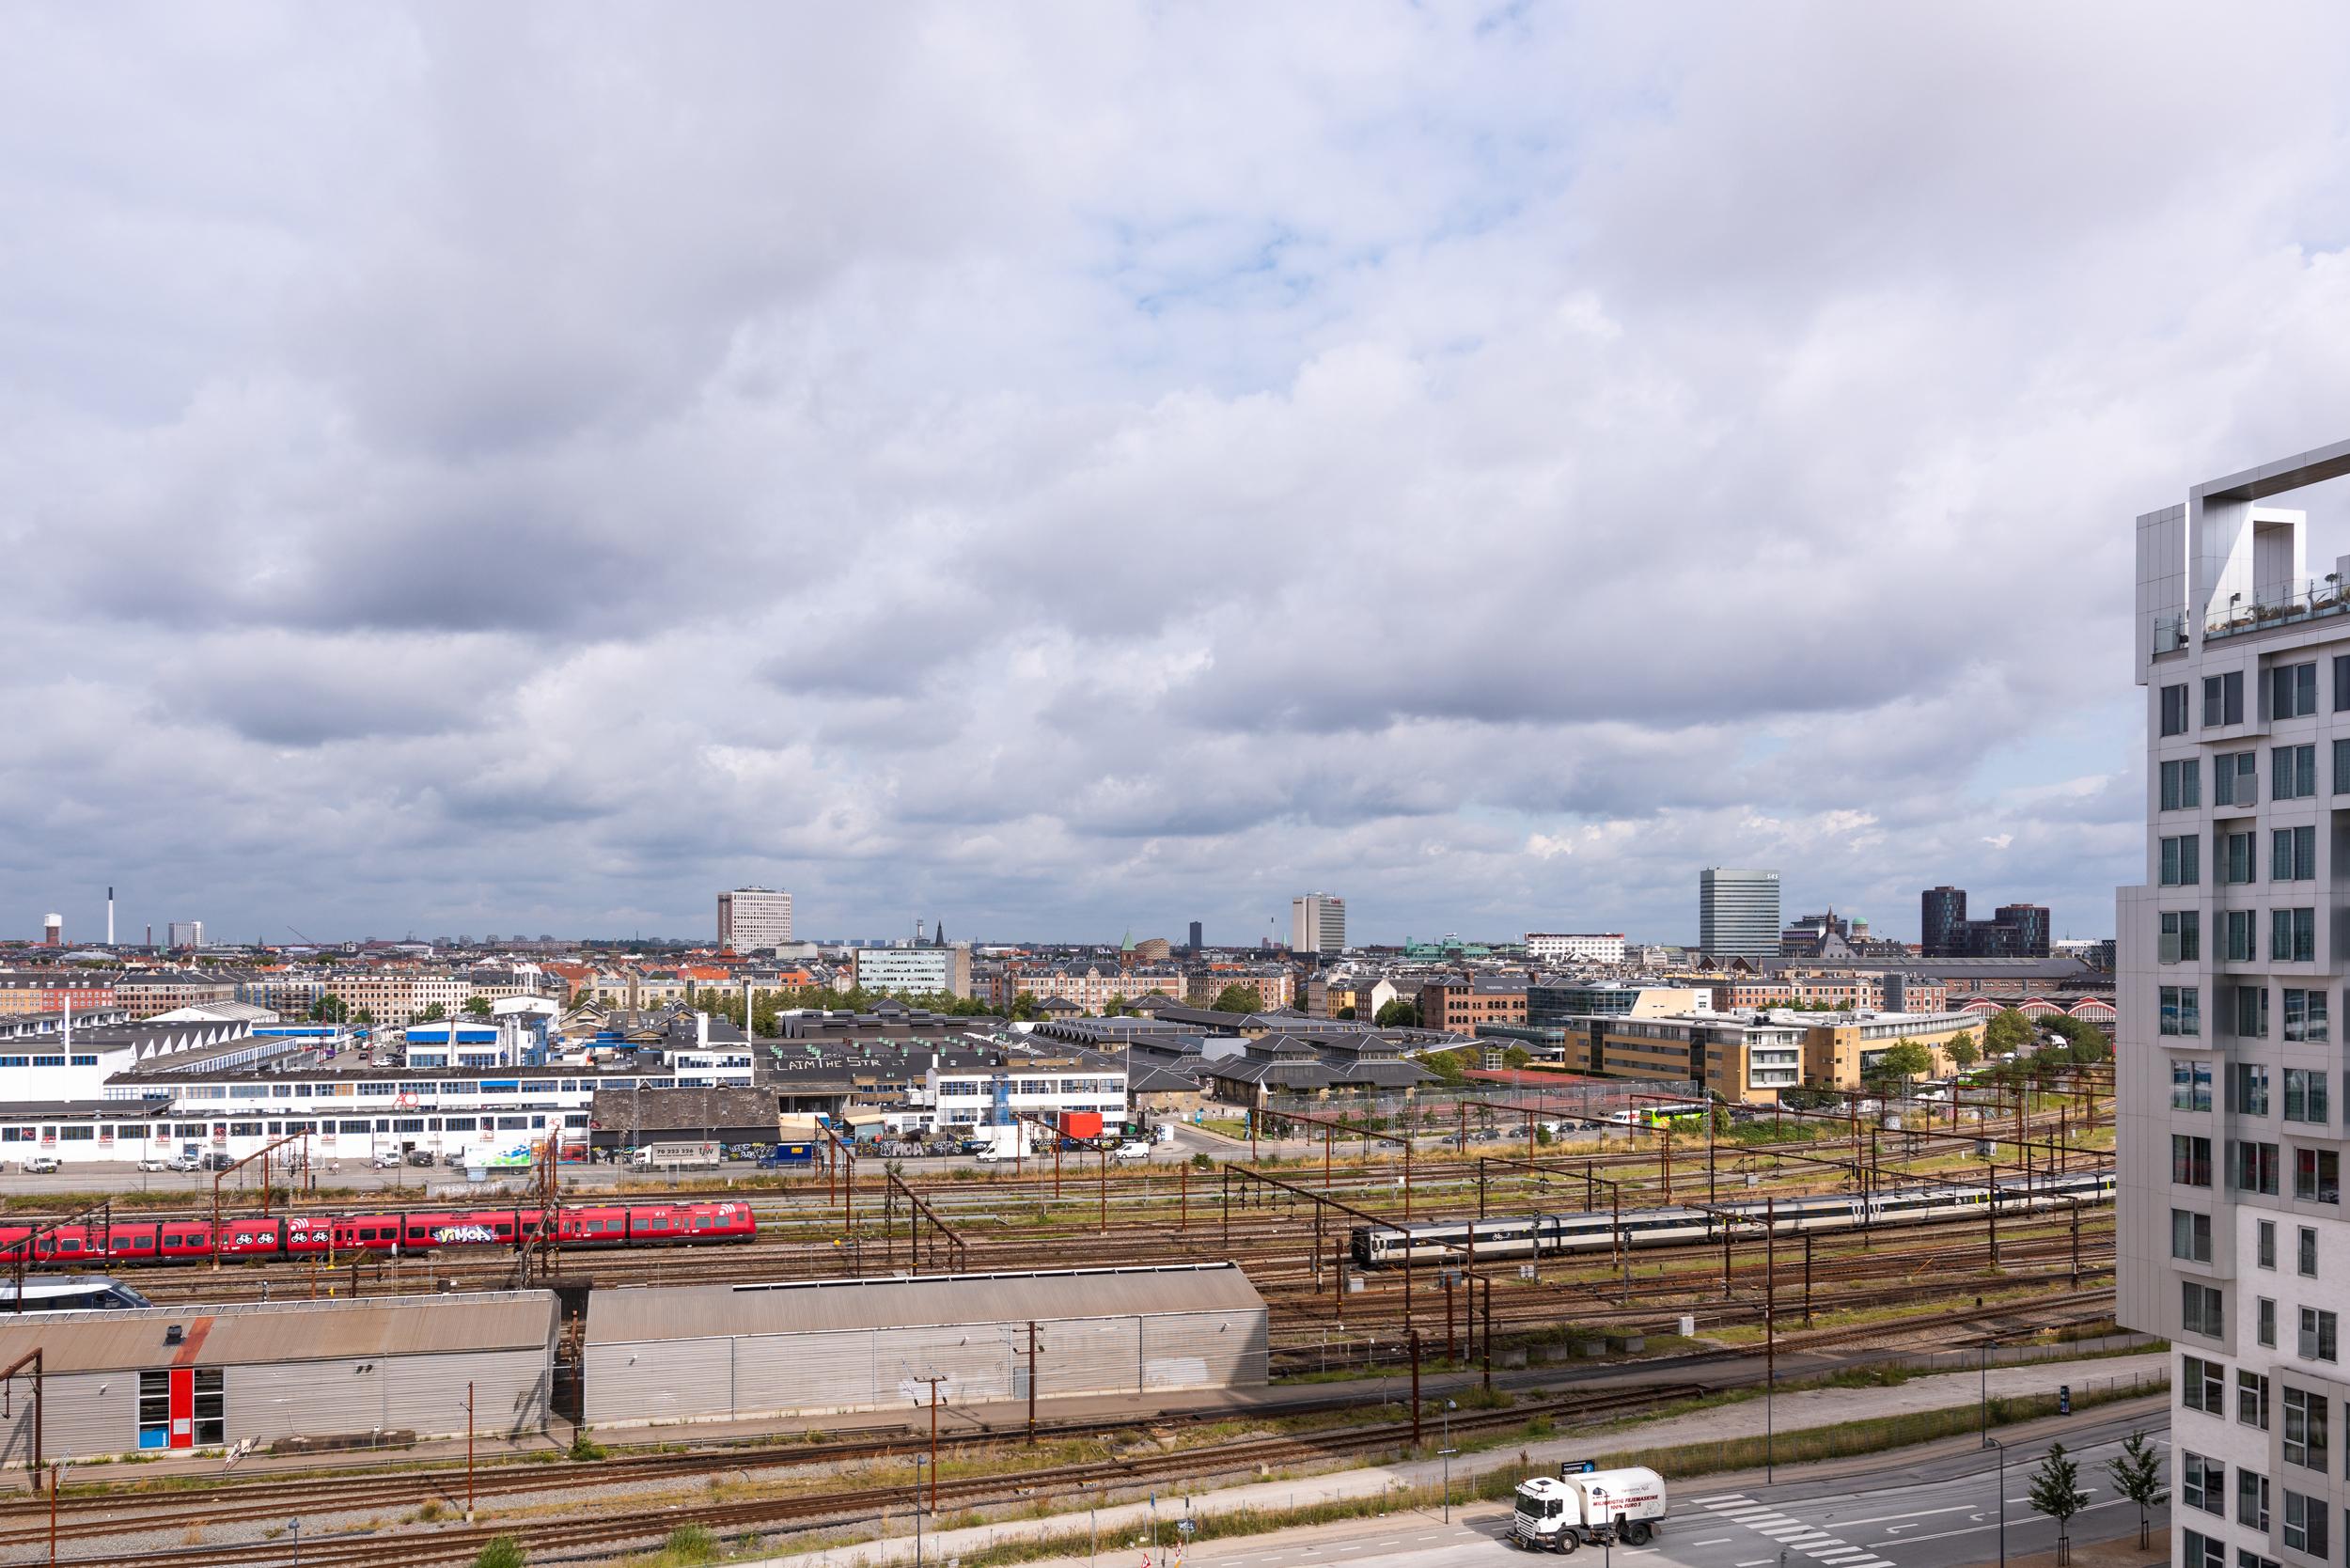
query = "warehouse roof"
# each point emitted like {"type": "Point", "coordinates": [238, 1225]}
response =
{"type": "Point", "coordinates": [636, 1313]}
{"type": "Point", "coordinates": [252, 1333]}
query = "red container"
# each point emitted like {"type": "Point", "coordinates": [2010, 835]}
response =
{"type": "Point", "coordinates": [1081, 1123]}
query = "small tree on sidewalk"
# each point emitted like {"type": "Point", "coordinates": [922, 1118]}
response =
{"type": "Point", "coordinates": [2055, 1491]}
{"type": "Point", "coordinates": [2137, 1476]}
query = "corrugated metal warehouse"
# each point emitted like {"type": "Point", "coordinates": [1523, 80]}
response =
{"type": "Point", "coordinates": [715, 1351]}
{"type": "Point", "coordinates": [160, 1378]}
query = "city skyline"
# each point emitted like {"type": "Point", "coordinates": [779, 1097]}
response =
{"type": "Point", "coordinates": [1279, 925]}
{"type": "Point", "coordinates": [473, 554]}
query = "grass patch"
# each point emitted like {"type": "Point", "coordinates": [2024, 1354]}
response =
{"type": "Point", "coordinates": [1873, 1434]}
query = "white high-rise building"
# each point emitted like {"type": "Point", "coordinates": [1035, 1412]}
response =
{"type": "Point", "coordinates": [1563, 946]}
{"type": "Point", "coordinates": [185, 933]}
{"type": "Point", "coordinates": [1738, 913]}
{"type": "Point", "coordinates": [1318, 924]}
{"type": "Point", "coordinates": [2230, 1237]}
{"type": "Point", "coordinates": [751, 918]}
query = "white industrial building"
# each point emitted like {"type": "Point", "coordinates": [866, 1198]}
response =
{"type": "Point", "coordinates": [656, 1354]}
{"type": "Point", "coordinates": [914, 969]}
{"type": "Point", "coordinates": [484, 1091]}
{"type": "Point", "coordinates": [980, 1088]}
{"type": "Point", "coordinates": [163, 1379]}
{"type": "Point", "coordinates": [1561, 947]}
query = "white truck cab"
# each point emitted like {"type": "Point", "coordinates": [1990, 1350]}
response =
{"type": "Point", "coordinates": [1582, 1506]}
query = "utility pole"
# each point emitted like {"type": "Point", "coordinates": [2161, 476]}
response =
{"type": "Point", "coordinates": [934, 1380]}
{"type": "Point", "coordinates": [1415, 1339]}
{"type": "Point", "coordinates": [1031, 1383]}
{"type": "Point", "coordinates": [468, 1453]}
{"type": "Point", "coordinates": [1770, 1328]}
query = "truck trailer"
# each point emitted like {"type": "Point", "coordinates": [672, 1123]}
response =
{"type": "Point", "coordinates": [1007, 1142]}
{"type": "Point", "coordinates": [1583, 1506]}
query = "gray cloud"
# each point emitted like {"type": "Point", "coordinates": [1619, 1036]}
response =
{"type": "Point", "coordinates": [472, 471]}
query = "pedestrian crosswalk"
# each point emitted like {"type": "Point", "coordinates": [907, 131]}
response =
{"type": "Point", "coordinates": [1790, 1535]}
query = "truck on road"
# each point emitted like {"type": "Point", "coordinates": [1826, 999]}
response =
{"type": "Point", "coordinates": [1005, 1143]}
{"type": "Point", "coordinates": [1583, 1506]}
{"type": "Point", "coordinates": [677, 1157]}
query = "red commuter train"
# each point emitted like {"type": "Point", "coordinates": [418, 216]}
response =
{"type": "Point", "coordinates": [169, 1241]}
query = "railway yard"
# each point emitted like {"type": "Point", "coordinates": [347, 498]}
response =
{"type": "Point", "coordinates": [1890, 1247]}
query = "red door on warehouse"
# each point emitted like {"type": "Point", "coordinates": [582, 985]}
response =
{"type": "Point", "coordinates": [183, 1407]}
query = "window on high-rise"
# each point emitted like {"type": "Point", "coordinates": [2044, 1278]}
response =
{"type": "Point", "coordinates": [2251, 1502]}
{"type": "Point", "coordinates": [2240, 925]}
{"type": "Point", "coordinates": [2250, 1089]}
{"type": "Point", "coordinates": [2223, 699]}
{"type": "Point", "coordinates": [2202, 1483]}
{"type": "Point", "coordinates": [2305, 1088]}
{"type": "Point", "coordinates": [2317, 1175]}
{"type": "Point", "coordinates": [2191, 1161]}
{"type": "Point", "coordinates": [2251, 1011]}
{"type": "Point", "coordinates": [2203, 1385]}
{"type": "Point", "coordinates": [2292, 772]}
{"type": "Point", "coordinates": [2305, 1519]}
{"type": "Point", "coordinates": [2256, 1165]}
{"type": "Point", "coordinates": [2241, 864]}
{"type": "Point", "coordinates": [2236, 778]}
{"type": "Point", "coordinates": [2293, 854]}
{"type": "Point", "coordinates": [2174, 710]}
{"type": "Point", "coordinates": [2190, 1085]}
{"type": "Point", "coordinates": [2183, 784]}
{"type": "Point", "coordinates": [2319, 1334]}
{"type": "Point", "coordinates": [2305, 1019]}
{"type": "Point", "coordinates": [2293, 935]}
{"type": "Point", "coordinates": [2181, 1012]}
{"type": "Point", "coordinates": [2181, 937]}
{"type": "Point", "coordinates": [2305, 1428]}
{"type": "Point", "coordinates": [2190, 1236]}
{"type": "Point", "coordinates": [2292, 691]}
{"type": "Point", "coordinates": [2203, 1309]}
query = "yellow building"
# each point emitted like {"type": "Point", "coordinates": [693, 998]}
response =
{"type": "Point", "coordinates": [1742, 1059]}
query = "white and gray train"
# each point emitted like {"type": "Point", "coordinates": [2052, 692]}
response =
{"type": "Point", "coordinates": [1542, 1235]}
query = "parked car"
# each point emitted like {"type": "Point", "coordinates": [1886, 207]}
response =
{"type": "Point", "coordinates": [154, 1162]}
{"type": "Point", "coordinates": [388, 1162]}
{"type": "Point", "coordinates": [216, 1160]}
{"type": "Point", "coordinates": [1131, 1152]}
{"type": "Point", "coordinates": [41, 1165]}
{"type": "Point", "coordinates": [420, 1157]}
{"type": "Point", "coordinates": [184, 1162]}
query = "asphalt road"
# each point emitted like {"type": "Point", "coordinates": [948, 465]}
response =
{"type": "Point", "coordinates": [1920, 1512]}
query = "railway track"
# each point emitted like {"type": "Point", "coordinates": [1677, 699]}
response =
{"type": "Point", "coordinates": [843, 1505]}
{"type": "Point", "coordinates": [100, 1510]}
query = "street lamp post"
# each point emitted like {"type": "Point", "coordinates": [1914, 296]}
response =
{"type": "Point", "coordinates": [1994, 1442]}
{"type": "Point", "coordinates": [919, 1460]}
{"type": "Point", "coordinates": [1449, 1407]}
{"type": "Point", "coordinates": [1983, 1397]}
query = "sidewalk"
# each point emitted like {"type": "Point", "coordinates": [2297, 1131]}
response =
{"type": "Point", "coordinates": [1791, 1412]}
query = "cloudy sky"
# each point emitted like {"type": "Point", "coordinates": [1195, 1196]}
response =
{"type": "Point", "coordinates": [1070, 469]}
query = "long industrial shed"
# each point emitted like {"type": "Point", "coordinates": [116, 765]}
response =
{"type": "Point", "coordinates": [720, 1352]}
{"type": "Point", "coordinates": [159, 1379]}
